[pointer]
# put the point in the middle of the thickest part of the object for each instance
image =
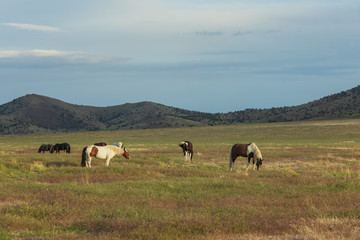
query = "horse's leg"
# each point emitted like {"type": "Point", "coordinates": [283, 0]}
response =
{"type": "Point", "coordinates": [232, 163]}
{"type": "Point", "coordinates": [88, 162]}
{"type": "Point", "coordinates": [107, 161]}
{"type": "Point", "coordinates": [248, 163]}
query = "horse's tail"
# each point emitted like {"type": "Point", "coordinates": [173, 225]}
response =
{"type": "Point", "coordinates": [231, 158]}
{"type": "Point", "coordinates": [83, 157]}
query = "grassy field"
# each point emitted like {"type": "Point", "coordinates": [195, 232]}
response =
{"type": "Point", "coordinates": [307, 188]}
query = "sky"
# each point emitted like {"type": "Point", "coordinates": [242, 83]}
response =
{"type": "Point", "coordinates": [204, 55]}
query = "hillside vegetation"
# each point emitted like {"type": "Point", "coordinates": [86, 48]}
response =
{"type": "Point", "coordinates": [39, 114]}
{"type": "Point", "coordinates": [307, 188]}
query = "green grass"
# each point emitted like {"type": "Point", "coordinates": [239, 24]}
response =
{"type": "Point", "coordinates": [308, 186]}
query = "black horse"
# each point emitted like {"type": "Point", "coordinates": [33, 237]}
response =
{"type": "Point", "coordinates": [45, 147]}
{"type": "Point", "coordinates": [60, 147]}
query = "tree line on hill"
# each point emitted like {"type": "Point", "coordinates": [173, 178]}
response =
{"type": "Point", "coordinates": [40, 114]}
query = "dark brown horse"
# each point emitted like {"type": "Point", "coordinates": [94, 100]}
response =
{"type": "Point", "coordinates": [45, 147]}
{"type": "Point", "coordinates": [60, 147]}
{"type": "Point", "coordinates": [100, 144]}
{"type": "Point", "coordinates": [245, 150]}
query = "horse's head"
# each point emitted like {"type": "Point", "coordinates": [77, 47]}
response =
{"type": "Point", "coordinates": [258, 163]}
{"type": "Point", "coordinates": [126, 154]}
{"type": "Point", "coordinates": [52, 149]}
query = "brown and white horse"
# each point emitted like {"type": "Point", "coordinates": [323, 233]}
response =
{"type": "Point", "coordinates": [188, 150]}
{"type": "Point", "coordinates": [245, 150]}
{"type": "Point", "coordinates": [102, 152]}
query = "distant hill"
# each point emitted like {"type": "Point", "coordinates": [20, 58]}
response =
{"type": "Point", "coordinates": [40, 114]}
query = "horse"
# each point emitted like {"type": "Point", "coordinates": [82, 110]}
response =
{"type": "Point", "coordinates": [245, 150]}
{"type": "Point", "coordinates": [102, 152]}
{"type": "Point", "coordinates": [45, 147]}
{"type": "Point", "coordinates": [187, 148]}
{"type": "Point", "coordinates": [59, 147]}
{"type": "Point", "coordinates": [100, 144]}
{"type": "Point", "coordinates": [119, 144]}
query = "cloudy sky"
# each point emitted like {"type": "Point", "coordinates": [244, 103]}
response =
{"type": "Point", "coordinates": [204, 55]}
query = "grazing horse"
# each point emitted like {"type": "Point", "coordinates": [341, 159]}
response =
{"type": "Point", "coordinates": [102, 152]}
{"type": "Point", "coordinates": [187, 148]}
{"type": "Point", "coordinates": [60, 147]}
{"type": "Point", "coordinates": [45, 147]}
{"type": "Point", "coordinates": [245, 150]}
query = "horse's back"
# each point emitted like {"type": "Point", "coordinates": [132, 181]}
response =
{"type": "Point", "coordinates": [101, 152]}
{"type": "Point", "coordinates": [100, 144]}
{"type": "Point", "coordinates": [239, 150]}
{"type": "Point", "coordinates": [186, 146]}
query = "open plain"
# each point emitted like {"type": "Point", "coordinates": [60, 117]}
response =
{"type": "Point", "coordinates": [307, 188]}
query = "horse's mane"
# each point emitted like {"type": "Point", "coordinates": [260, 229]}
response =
{"type": "Point", "coordinates": [115, 149]}
{"type": "Point", "coordinates": [254, 149]}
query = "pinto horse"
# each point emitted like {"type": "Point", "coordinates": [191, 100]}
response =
{"type": "Point", "coordinates": [245, 150]}
{"type": "Point", "coordinates": [188, 150]}
{"type": "Point", "coordinates": [45, 147]}
{"type": "Point", "coordinates": [102, 152]}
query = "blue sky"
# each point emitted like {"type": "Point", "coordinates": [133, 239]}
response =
{"type": "Point", "coordinates": [204, 55]}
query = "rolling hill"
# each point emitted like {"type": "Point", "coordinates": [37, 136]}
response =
{"type": "Point", "coordinates": [40, 114]}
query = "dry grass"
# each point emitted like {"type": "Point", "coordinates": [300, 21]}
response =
{"type": "Point", "coordinates": [308, 187]}
{"type": "Point", "coordinates": [314, 229]}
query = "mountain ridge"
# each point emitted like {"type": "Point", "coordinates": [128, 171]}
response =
{"type": "Point", "coordinates": [34, 113]}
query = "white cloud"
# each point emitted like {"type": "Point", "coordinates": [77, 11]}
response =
{"type": "Point", "coordinates": [31, 27]}
{"type": "Point", "coordinates": [70, 57]}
